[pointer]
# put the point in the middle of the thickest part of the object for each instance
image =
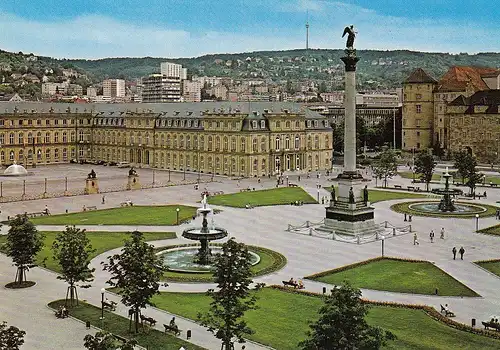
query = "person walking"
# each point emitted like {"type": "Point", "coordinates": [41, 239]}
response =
{"type": "Point", "coordinates": [431, 236]}
{"type": "Point", "coordinates": [442, 233]}
{"type": "Point", "coordinates": [103, 199]}
{"type": "Point", "coordinates": [454, 251]}
{"type": "Point", "coordinates": [461, 251]}
{"type": "Point", "coordinates": [415, 239]}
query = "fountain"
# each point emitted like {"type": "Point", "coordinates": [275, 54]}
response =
{"type": "Point", "coordinates": [205, 234]}
{"type": "Point", "coordinates": [446, 203]}
{"type": "Point", "coordinates": [15, 170]}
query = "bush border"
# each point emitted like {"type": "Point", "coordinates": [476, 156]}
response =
{"type": "Point", "coordinates": [315, 276]}
{"type": "Point", "coordinates": [403, 208]}
{"type": "Point", "coordinates": [429, 310]}
{"type": "Point", "coordinates": [487, 229]}
{"type": "Point", "coordinates": [279, 262]}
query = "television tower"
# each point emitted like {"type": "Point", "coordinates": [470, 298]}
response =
{"type": "Point", "coordinates": [307, 31]}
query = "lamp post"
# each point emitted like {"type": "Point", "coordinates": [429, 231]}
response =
{"type": "Point", "coordinates": [382, 239]}
{"type": "Point", "coordinates": [477, 222]}
{"type": "Point", "coordinates": [102, 305]}
{"type": "Point", "coordinates": [394, 129]}
{"type": "Point", "coordinates": [177, 212]}
{"type": "Point", "coordinates": [318, 195]}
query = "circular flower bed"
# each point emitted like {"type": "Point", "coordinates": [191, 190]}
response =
{"type": "Point", "coordinates": [16, 285]}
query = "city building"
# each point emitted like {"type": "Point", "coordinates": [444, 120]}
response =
{"type": "Point", "coordinates": [218, 138]}
{"type": "Point", "coordinates": [371, 115]}
{"type": "Point", "coordinates": [158, 88]}
{"type": "Point", "coordinates": [113, 88]}
{"type": "Point", "coordinates": [191, 91]}
{"type": "Point", "coordinates": [51, 89]}
{"type": "Point", "coordinates": [173, 70]}
{"type": "Point", "coordinates": [426, 122]}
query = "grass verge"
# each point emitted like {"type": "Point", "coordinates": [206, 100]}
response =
{"type": "Point", "coordinates": [492, 230]}
{"type": "Point", "coordinates": [281, 321]}
{"type": "Point", "coordinates": [492, 266]}
{"type": "Point", "coordinates": [152, 339]}
{"type": "Point", "coordinates": [136, 215]}
{"type": "Point", "coordinates": [275, 196]}
{"type": "Point", "coordinates": [396, 275]}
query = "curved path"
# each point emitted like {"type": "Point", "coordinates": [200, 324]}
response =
{"type": "Point", "coordinates": [306, 255]}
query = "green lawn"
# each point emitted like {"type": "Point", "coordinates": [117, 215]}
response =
{"type": "Point", "coordinates": [275, 196]}
{"type": "Point", "coordinates": [492, 230]}
{"type": "Point", "coordinates": [493, 266]}
{"type": "Point", "coordinates": [270, 261]}
{"type": "Point", "coordinates": [399, 276]}
{"type": "Point", "coordinates": [281, 321]}
{"type": "Point", "coordinates": [409, 175]}
{"type": "Point", "coordinates": [101, 241]}
{"type": "Point", "coordinates": [136, 215]}
{"type": "Point", "coordinates": [152, 339]}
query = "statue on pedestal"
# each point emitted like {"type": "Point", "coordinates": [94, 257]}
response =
{"type": "Point", "coordinates": [333, 195]}
{"type": "Point", "coordinates": [132, 172]}
{"type": "Point", "coordinates": [92, 175]}
{"type": "Point", "coordinates": [351, 35]}
{"type": "Point", "coordinates": [365, 194]}
{"type": "Point", "coordinates": [351, 196]}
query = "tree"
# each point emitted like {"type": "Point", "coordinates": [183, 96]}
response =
{"type": "Point", "coordinates": [232, 298]}
{"type": "Point", "coordinates": [387, 166]}
{"type": "Point", "coordinates": [342, 325]}
{"type": "Point", "coordinates": [11, 338]}
{"type": "Point", "coordinates": [137, 272]}
{"type": "Point", "coordinates": [461, 163]}
{"type": "Point", "coordinates": [466, 164]}
{"type": "Point", "coordinates": [424, 165]}
{"type": "Point", "coordinates": [106, 341]}
{"type": "Point", "coordinates": [23, 244]}
{"type": "Point", "coordinates": [72, 250]}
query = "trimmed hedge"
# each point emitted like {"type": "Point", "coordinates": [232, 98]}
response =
{"type": "Point", "coordinates": [492, 230]}
{"type": "Point", "coordinates": [430, 311]}
{"type": "Point", "coordinates": [196, 277]}
{"type": "Point", "coordinates": [404, 208]}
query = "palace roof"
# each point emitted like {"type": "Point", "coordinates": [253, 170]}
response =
{"type": "Point", "coordinates": [420, 76]}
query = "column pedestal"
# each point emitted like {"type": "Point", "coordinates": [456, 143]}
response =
{"type": "Point", "coordinates": [91, 186]}
{"type": "Point", "coordinates": [133, 182]}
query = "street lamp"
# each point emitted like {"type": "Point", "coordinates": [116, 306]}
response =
{"type": "Point", "coordinates": [477, 222]}
{"type": "Point", "coordinates": [177, 212]}
{"type": "Point", "coordinates": [382, 239]}
{"type": "Point", "coordinates": [102, 305]}
{"type": "Point", "coordinates": [318, 195]}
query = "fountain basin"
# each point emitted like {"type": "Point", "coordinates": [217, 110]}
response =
{"type": "Point", "coordinates": [199, 234]}
{"type": "Point", "coordinates": [460, 208]}
{"type": "Point", "coordinates": [182, 259]}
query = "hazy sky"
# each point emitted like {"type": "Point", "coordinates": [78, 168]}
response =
{"type": "Point", "coordinates": [186, 28]}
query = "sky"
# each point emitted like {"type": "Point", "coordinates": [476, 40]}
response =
{"type": "Point", "coordinates": [188, 28]}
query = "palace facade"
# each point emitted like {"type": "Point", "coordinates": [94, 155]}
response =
{"type": "Point", "coordinates": [231, 139]}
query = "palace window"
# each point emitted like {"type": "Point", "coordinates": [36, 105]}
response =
{"type": "Point", "coordinates": [263, 145]}
{"type": "Point", "coordinates": [188, 142]}
{"type": "Point", "coordinates": [210, 143]}
{"type": "Point", "coordinates": [287, 143]}
{"type": "Point", "coordinates": [277, 144]}
{"type": "Point", "coordinates": [316, 142]}
{"type": "Point", "coordinates": [47, 154]}
{"type": "Point", "coordinates": [2, 139]}
{"type": "Point", "coordinates": [202, 143]}
{"type": "Point", "coordinates": [11, 156]}
{"type": "Point", "coordinates": [297, 124]}
{"type": "Point", "coordinates": [2, 156]}
{"type": "Point", "coordinates": [262, 124]}
{"type": "Point", "coordinates": [297, 142]}
{"type": "Point", "coordinates": [278, 124]}
{"type": "Point", "coordinates": [418, 108]}
{"type": "Point", "coordinates": [20, 138]}
{"type": "Point", "coordinates": [254, 145]}
{"type": "Point", "coordinates": [64, 137]}
{"type": "Point", "coordinates": [243, 144]}
{"type": "Point", "coordinates": [21, 155]}
{"type": "Point", "coordinates": [217, 143]}
{"type": "Point", "coordinates": [255, 164]}
{"type": "Point", "coordinates": [233, 144]}
{"type": "Point", "coordinates": [30, 138]}
{"type": "Point", "coordinates": [65, 154]}
{"type": "Point", "coordinates": [254, 124]}
{"type": "Point", "coordinates": [11, 138]}
{"type": "Point", "coordinates": [226, 142]}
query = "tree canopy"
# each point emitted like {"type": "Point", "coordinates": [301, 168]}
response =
{"type": "Point", "coordinates": [232, 297]}
{"type": "Point", "coordinates": [466, 164]}
{"type": "Point", "coordinates": [23, 244]}
{"type": "Point", "coordinates": [72, 250]}
{"type": "Point", "coordinates": [386, 167]}
{"type": "Point", "coordinates": [11, 338]}
{"type": "Point", "coordinates": [342, 325]}
{"type": "Point", "coordinates": [136, 271]}
{"type": "Point", "coordinates": [106, 341]}
{"type": "Point", "coordinates": [424, 165]}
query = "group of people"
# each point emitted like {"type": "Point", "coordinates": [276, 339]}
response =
{"type": "Point", "coordinates": [62, 312]}
{"type": "Point", "coordinates": [299, 284]}
{"type": "Point", "coordinates": [461, 252]}
{"type": "Point", "coordinates": [432, 235]}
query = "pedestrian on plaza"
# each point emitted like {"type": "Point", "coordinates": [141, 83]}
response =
{"type": "Point", "coordinates": [442, 233]}
{"type": "Point", "coordinates": [415, 239]}
{"type": "Point", "coordinates": [299, 178]}
{"type": "Point", "coordinates": [409, 217]}
{"type": "Point", "coordinates": [431, 236]}
{"type": "Point", "coordinates": [46, 211]}
{"type": "Point", "coordinates": [454, 251]}
{"type": "Point", "coordinates": [405, 217]}
{"type": "Point", "coordinates": [103, 199]}
{"type": "Point", "coordinates": [461, 251]}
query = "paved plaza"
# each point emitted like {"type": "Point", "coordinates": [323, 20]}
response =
{"type": "Point", "coordinates": [264, 226]}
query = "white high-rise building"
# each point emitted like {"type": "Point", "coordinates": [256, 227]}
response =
{"type": "Point", "coordinates": [171, 70]}
{"type": "Point", "coordinates": [113, 88]}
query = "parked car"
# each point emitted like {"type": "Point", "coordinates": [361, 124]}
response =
{"type": "Point", "coordinates": [123, 165]}
{"type": "Point", "coordinates": [112, 163]}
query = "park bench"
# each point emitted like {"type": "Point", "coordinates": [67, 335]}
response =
{"type": "Point", "coordinates": [37, 214]}
{"type": "Point", "coordinates": [417, 189]}
{"type": "Point", "coordinates": [109, 304]}
{"type": "Point", "coordinates": [246, 189]}
{"type": "Point", "coordinates": [398, 186]}
{"type": "Point", "coordinates": [292, 185]}
{"type": "Point", "coordinates": [411, 188]}
{"type": "Point", "coordinates": [150, 320]}
{"type": "Point", "coordinates": [126, 204]}
{"type": "Point", "coordinates": [493, 185]}
{"type": "Point", "coordinates": [295, 285]}
{"type": "Point", "coordinates": [493, 325]}
{"type": "Point", "coordinates": [92, 207]}
{"type": "Point", "coordinates": [174, 329]}
{"type": "Point", "coordinates": [62, 313]}
{"type": "Point", "coordinates": [445, 312]}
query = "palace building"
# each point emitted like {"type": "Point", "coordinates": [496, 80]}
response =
{"type": "Point", "coordinates": [426, 121]}
{"type": "Point", "coordinates": [256, 139]}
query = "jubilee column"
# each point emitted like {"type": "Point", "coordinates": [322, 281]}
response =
{"type": "Point", "coordinates": [349, 212]}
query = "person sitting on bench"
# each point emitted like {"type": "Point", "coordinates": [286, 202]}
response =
{"type": "Point", "coordinates": [301, 284]}
{"type": "Point", "coordinates": [292, 282]}
{"type": "Point", "coordinates": [173, 325]}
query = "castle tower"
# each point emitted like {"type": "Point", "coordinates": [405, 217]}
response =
{"type": "Point", "coordinates": [418, 110]}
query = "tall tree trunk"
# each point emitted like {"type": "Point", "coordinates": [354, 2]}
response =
{"type": "Point", "coordinates": [136, 317]}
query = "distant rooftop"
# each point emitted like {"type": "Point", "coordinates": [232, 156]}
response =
{"type": "Point", "coordinates": [420, 76]}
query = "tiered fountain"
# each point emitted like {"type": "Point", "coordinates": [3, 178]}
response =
{"type": "Point", "coordinates": [205, 234]}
